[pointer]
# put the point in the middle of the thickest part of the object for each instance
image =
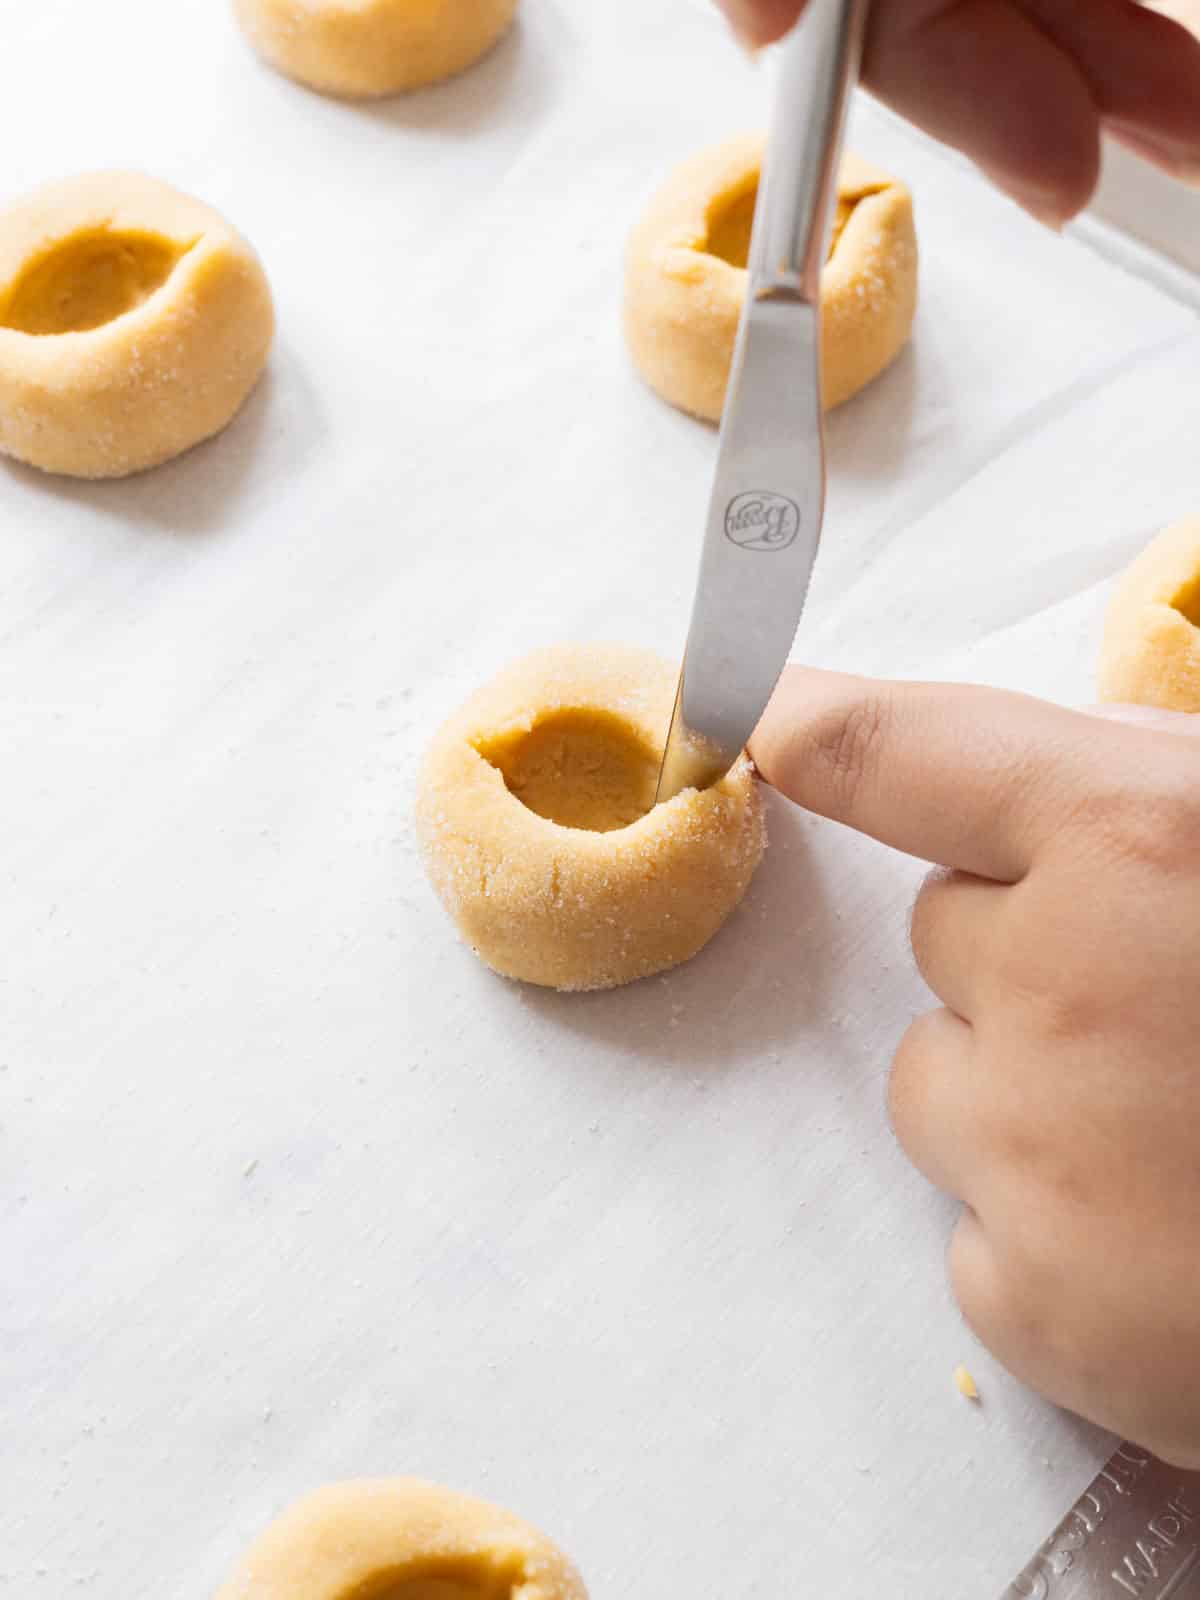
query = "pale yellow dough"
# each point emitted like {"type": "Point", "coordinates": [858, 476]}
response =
{"type": "Point", "coordinates": [538, 829]}
{"type": "Point", "coordinates": [400, 1539]}
{"type": "Point", "coordinates": [361, 49]}
{"type": "Point", "coordinates": [1151, 652]}
{"type": "Point", "coordinates": [685, 277]}
{"type": "Point", "coordinates": [133, 323]}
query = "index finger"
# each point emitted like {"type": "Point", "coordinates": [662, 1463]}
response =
{"type": "Point", "coordinates": [965, 777]}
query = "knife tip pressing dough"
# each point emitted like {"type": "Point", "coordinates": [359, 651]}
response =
{"type": "Point", "coordinates": [1151, 650]}
{"type": "Point", "coordinates": [685, 277]}
{"type": "Point", "coordinates": [373, 47]}
{"type": "Point", "coordinates": [134, 321]}
{"type": "Point", "coordinates": [401, 1539]}
{"type": "Point", "coordinates": [540, 835]}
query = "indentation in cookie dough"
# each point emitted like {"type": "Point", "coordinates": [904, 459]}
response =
{"type": "Point", "coordinates": [88, 280]}
{"type": "Point", "coordinates": [843, 211]}
{"type": "Point", "coordinates": [730, 223]}
{"type": "Point", "coordinates": [134, 322]}
{"type": "Point", "coordinates": [686, 277]}
{"type": "Point", "coordinates": [580, 769]}
{"type": "Point", "coordinates": [537, 826]}
{"type": "Point", "coordinates": [1151, 650]}
{"type": "Point", "coordinates": [401, 1539]}
{"type": "Point", "coordinates": [482, 1580]}
{"type": "Point", "coordinates": [1187, 602]}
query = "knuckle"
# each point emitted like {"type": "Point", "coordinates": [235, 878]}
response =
{"type": "Point", "coordinates": [925, 918]}
{"type": "Point", "coordinates": [1066, 1012]}
{"type": "Point", "coordinates": [1154, 823]}
{"type": "Point", "coordinates": [907, 1073]}
{"type": "Point", "coordinates": [847, 747]}
{"type": "Point", "coordinates": [1007, 1311]}
{"type": "Point", "coordinates": [1057, 1001]}
{"type": "Point", "coordinates": [973, 1277]}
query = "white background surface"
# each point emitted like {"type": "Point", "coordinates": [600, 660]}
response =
{"type": "Point", "coordinates": [1145, 202]}
{"type": "Point", "coordinates": [293, 1189]}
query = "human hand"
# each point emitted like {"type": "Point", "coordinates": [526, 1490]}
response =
{"type": "Point", "coordinates": [1023, 86]}
{"type": "Point", "coordinates": [1057, 1093]}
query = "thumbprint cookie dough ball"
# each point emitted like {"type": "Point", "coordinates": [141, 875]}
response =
{"type": "Point", "coordinates": [134, 321]}
{"type": "Point", "coordinates": [400, 1539]}
{"type": "Point", "coordinates": [361, 49]}
{"type": "Point", "coordinates": [1151, 651]}
{"type": "Point", "coordinates": [540, 835]}
{"type": "Point", "coordinates": [686, 277]}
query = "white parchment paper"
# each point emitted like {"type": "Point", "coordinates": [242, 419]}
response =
{"type": "Point", "coordinates": [294, 1190]}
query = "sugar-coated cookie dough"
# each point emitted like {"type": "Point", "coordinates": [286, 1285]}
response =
{"type": "Point", "coordinates": [400, 1539]}
{"type": "Point", "coordinates": [361, 49]}
{"type": "Point", "coordinates": [133, 323]}
{"type": "Point", "coordinates": [685, 277]}
{"type": "Point", "coordinates": [1151, 652]}
{"type": "Point", "coordinates": [539, 832]}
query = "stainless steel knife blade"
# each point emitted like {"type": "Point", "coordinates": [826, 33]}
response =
{"type": "Point", "coordinates": [764, 520]}
{"type": "Point", "coordinates": [764, 525]}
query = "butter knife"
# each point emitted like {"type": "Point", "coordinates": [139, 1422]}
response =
{"type": "Point", "coordinates": [764, 520]}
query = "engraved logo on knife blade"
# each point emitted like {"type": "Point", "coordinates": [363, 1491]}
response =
{"type": "Point", "coordinates": [760, 520]}
{"type": "Point", "coordinates": [1135, 1531]}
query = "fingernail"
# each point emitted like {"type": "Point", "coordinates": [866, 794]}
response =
{"type": "Point", "coordinates": [1048, 219]}
{"type": "Point", "coordinates": [743, 19]}
{"type": "Point", "coordinates": [1041, 208]}
{"type": "Point", "coordinates": [1042, 205]}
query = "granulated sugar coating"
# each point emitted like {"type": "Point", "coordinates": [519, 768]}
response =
{"type": "Point", "coordinates": [372, 47]}
{"type": "Point", "coordinates": [401, 1539]}
{"type": "Point", "coordinates": [538, 830]}
{"type": "Point", "coordinates": [686, 277]}
{"type": "Point", "coordinates": [1151, 654]}
{"type": "Point", "coordinates": [134, 321]}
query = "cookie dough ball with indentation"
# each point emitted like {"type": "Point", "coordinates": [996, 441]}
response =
{"type": "Point", "coordinates": [1151, 652]}
{"type": "Point", "coordinates": [539, 831]}
{"type": "Point", "coordinates": [362, 49]}
{"type": "Point", "coordinates": [400, 1539]}
{"type": "Point", "coordinates": [134, 321]}
{"type": "Point", "coordinates": [685, 277]}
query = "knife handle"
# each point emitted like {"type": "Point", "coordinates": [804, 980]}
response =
{"type": "Point", "coordinates": [818, 68]}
